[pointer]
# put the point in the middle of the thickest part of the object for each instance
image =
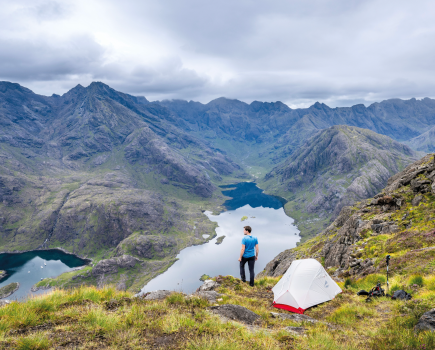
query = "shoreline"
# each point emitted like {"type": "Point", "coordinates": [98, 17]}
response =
{"type": "Point", "coordinates": [12, 292]}
{"type": "Point", "coordinates": [88, 260]}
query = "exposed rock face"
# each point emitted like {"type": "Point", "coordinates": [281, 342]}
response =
{"type": "Point", "coordinates": [208, 285]}
{"type": "Point", "coordinates": [424, 142]}
{"type": "Point", "coordinates": [279, 265]}
{"type": "Point", "coordinates": [158, 295]}
{"type": "Point", "coordinates": [233, 119]}
{"type": "Point", "coordinates": [111, 266]}
{"type": "Point", "coordinates": [426, 322]}
{"type": "Point", "coordinates": [87, 169]}
{"type": "Point", "coordinates": [336, 168]}
{"type": "Point", "coordinates": [211, 296]}
{"type": "Point", "coordinates": [96, 170]}
{"type": "Point", "coordinates": [236, 313]}
{"type": "Point", "coordinates": [338, 248]}
{"type": "Point", "coordinates": [149, 246]}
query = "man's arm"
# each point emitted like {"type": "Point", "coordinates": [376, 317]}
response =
{"type": "Point", "coordinates": [241, 252]}
{"type": "Point", "coordinates": [256, 252]}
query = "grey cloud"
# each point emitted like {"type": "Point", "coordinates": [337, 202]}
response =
{"type": "Point", "coordinates": [50, 10]}
{"type": "Point", "coordinates": [27, 60]}
{"type": "Point", "coordinates": [336, 51]}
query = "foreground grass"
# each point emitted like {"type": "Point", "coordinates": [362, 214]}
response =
{"type": "Point", "coordinates": [90, 318]}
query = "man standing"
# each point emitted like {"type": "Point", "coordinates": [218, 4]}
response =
{"type": "Point", "coordinates": [249, 253]}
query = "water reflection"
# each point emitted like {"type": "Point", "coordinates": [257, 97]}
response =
{"type": "Point", "coordinates": [247, 193]}
{"type": "Point", "coordinates": [273, 228]}
{"type": "Point", "coordinates": [28, 268]}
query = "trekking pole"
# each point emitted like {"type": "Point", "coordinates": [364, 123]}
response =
{"type": "Point", "coordinates": [388, 263]}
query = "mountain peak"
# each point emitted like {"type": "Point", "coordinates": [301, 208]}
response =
{"type": "Point", "coordinates": [8, 86]}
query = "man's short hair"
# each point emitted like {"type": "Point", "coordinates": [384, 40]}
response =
{"type": "Point", "coordinates": [248, 228]}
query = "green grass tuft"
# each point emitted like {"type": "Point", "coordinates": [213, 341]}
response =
{"type": "Point", "coordinates": [416, 279]}
{"type": "Point", "coordinates": [37, 341]}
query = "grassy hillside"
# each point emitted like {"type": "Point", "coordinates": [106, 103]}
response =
{"type": "Point", "coordinates": [399, 221]}
{"type": "Point", "coordinates": [90, 318]}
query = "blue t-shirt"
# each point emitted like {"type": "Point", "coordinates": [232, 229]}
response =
{"type": "Point", "coordinates": [249, 242]}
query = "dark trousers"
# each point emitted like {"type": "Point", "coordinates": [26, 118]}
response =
{"type": "Point", "coordinates": [251, 263]}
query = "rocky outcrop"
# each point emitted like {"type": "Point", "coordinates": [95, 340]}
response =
{"type": "Point", "coordinates": [148, 246]}
{"type": "Point", "coordinates": [340, 251]}
{"type": "Point", "coordinates": [426, 322]}
{"type": "Point", "coordinates": [337, 246]}
{"type": "Point", "coordinates": [111, 266]}
{"type": "Point", "coordinates": [37, 288]}
{"type": "Point", "coordinates": [88, 166]}
{"type": "Point", "coordinates": [336, 168]}
{"type": "Point", "coordinates": [211, 295]}
{"type": "Point", "coordinates": [208, 285]}
{"type": "Point", "coordinates": [279, 265]}
{"type": "Point", "coordinates": [235, 313]}
{"type": "Point", "coordinates": [158, 295]}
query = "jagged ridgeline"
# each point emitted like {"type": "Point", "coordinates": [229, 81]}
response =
{"type": "Point", "coordinates": [335, 168]}
{"type": "Point", "coordinates": [101, 174]}
{"type": "Point", "coordinates": [124, 181]}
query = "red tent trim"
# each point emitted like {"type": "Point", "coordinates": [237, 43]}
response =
{"type": "Point", "coordinates": [289, 308]}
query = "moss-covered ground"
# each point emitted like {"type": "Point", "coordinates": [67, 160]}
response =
{"type": "Point", "coordinates": [91, 318]}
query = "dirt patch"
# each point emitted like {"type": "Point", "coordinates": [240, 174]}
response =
{"type": "Point", "coordinates": [168, 341]}
{"type": "Point", "coordinates": [38, 328]}
{"type": "Point", "coordinates": [77, 303]}
{"type": "Point", "coordinates": [114, 304]}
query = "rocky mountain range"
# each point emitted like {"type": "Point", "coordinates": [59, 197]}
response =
{"type": "Point", "coordinates": [113, 176]}
{"type": "Point", "coordinates": [94, 167]}
{"type": "Point", "coordinates": [335, 168]}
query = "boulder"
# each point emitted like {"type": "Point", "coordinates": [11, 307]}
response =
{"type": "Point", "coordinates": [416, 200]}
{"type": "Point", "coordinates": [211, 295]}
{"type": "Point", "coordinates": [158, 295]}
{"type": "Point", "coordinates": [299, 318]}
{"type": "Point", "coordinates": [426, 322]}
{"type": "Point", "coordinates": [236, 313]}
{"type": "Point", "coordinates": [208, 286]}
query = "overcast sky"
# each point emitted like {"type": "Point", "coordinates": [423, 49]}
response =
{"type": "Point", "coordinates": [340, 52]}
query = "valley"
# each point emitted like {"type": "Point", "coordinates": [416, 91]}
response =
{"type": "Point", "coordinates": [125, 182]}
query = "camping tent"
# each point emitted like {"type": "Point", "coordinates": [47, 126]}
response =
{"type": "Point", "coordinates": [306, 283]}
